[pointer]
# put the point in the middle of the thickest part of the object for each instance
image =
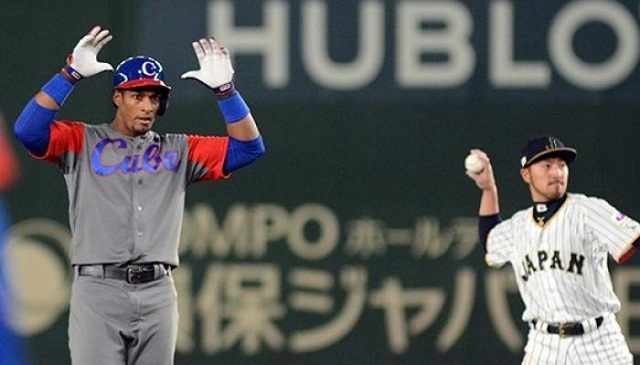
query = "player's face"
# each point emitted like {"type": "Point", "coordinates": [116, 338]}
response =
{"type": "Point", "coordinates": [547, 179]}
{"type": "Point", "coordinates": [137, 111]}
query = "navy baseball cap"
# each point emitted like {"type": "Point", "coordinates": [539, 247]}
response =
{"type": "Point", "coordinates": [544, 147]}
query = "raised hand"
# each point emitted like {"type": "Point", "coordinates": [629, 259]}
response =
{"type": "Point", "coordinates": [215, 70]}
{"type": "Point", "coordinates": [83, 62]}
{"type": "Point", "coordinates": [484, 179]}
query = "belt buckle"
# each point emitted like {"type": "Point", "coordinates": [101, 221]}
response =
{"type": "Point", "coordinates": [563, 329]}
{"type": "Point", "coordinates": [134, 274]}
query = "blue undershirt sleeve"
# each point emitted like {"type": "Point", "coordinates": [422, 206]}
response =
{"type": "Point", "coordinates": [242, 153]}
{"type": "Point", "coordinates": [485, 225]}
{"type": "Point", "coordinates": [32, 127]}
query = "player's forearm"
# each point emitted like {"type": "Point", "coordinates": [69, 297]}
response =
{"type": "Point", "coordinates": [489, 204]}
{"type": "Point", "coordinates": [232, 105]}
{"type": "Point", "coordinates": [489, 213]}
{"type": "Point", "coordinates": [44, 100]}
{"type": "Point", "coordinates": [32, 126]}
{"type": "Point", "coordinates": [239, 122]}
{"type": "Point", "coordinates": [245, 142]}
{"type": "Point", "coordinates": [244, 129]}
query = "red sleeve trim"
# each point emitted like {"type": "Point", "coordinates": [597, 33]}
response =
{"type": "Point", "coordinates": [627, 255]}
{"type": "Point", "coordinates": [65, 136]}
{"type": "Point", "coordinates": [210, 152]}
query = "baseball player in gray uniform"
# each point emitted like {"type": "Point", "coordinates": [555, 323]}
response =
{"type": "Point", "coordinates": [126, 187]}
{"type": "Point", "coordinates": [558, 250]}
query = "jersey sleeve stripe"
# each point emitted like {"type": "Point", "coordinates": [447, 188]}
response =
{"type": "Point", "coordinates": [66, 136]}
{"type": "Point", "coordinates": [628, 252]}
{"type": "Point", "coordinates": [209, 152]}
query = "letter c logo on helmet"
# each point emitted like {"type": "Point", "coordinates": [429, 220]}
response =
{"type": "Point", "coordinates": [142, 71]}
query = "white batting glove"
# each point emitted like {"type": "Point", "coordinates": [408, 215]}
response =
{"type": "Point", "coordinates": [215, 70]}
{"type": "Point", "coordinates": [83, 61]}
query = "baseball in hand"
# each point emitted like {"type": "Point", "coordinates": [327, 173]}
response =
{"type": "Point", "coordinates": [473, 164]}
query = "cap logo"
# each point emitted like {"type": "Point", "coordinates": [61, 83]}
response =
{"type": "Point", "coordinates": [541, 147]}
{"type": "Point", "coordinates": [124, 78]}
{"type": "Point", "coordinates": [151, 69]}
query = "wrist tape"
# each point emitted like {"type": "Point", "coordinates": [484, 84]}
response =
{"type": "Point", "coordinates": [233, 108]}
{"type": "Point", "coordinates": [224, 91]}
{"type": "Point", "coordinates": [71, 74]}
{"type": "Point", "coordinates": [58, 88]}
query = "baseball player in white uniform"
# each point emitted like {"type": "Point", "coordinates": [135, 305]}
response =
{"type": "Point", "coordinates": [126, 187]}
{"type": "Point", "coordinates": [558, 250]}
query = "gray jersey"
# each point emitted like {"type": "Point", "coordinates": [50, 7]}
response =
{"type": "Point", "coordinates": [561, 267]}
{"type": "Point", "coordinates": [126, 194]}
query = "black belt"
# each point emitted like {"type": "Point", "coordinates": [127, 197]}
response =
{"type": "Point", "coordinates": [133, 274]}
{"type": "Point", "coordinates": [569, 328]}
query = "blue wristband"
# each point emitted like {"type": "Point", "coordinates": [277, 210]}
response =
{"type": "Point", "coordinates": [233, 108]}
{"type": "Point", "coordinates": [58, 88]}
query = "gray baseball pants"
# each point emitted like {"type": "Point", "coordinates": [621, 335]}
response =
{"type": "Point", "coordinates": [115, 322]}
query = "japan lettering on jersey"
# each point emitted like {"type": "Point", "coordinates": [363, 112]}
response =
{"type": "Point", "coordinates": [561, 267]}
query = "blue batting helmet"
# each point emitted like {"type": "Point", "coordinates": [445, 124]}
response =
{"type": "Point", "coordinates": [142, 71]}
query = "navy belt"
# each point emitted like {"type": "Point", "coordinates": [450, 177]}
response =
{"type": "Point", "coordinates": [569, 328]}
{"type": "Point", "coordinates": [133, 274]}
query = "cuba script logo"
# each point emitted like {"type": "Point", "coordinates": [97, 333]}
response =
{"type": "Point", "coordinates": [150, 160]}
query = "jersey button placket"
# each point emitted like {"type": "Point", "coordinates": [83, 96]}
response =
{"type": "Point", "coordinates": [136, 206]}
{"type": "Point", "coordinates": [139, 219]}
{"type": "Point", "coordinates": [138, 211]}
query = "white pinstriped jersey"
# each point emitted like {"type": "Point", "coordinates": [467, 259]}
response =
{"type": "Point", "coordinates": [561, 267]}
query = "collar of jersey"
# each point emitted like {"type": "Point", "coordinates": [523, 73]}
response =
{"type": "Point", "coordinates": [148, 135]}
{"type": "Point", "coordinates": [543, 212]}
